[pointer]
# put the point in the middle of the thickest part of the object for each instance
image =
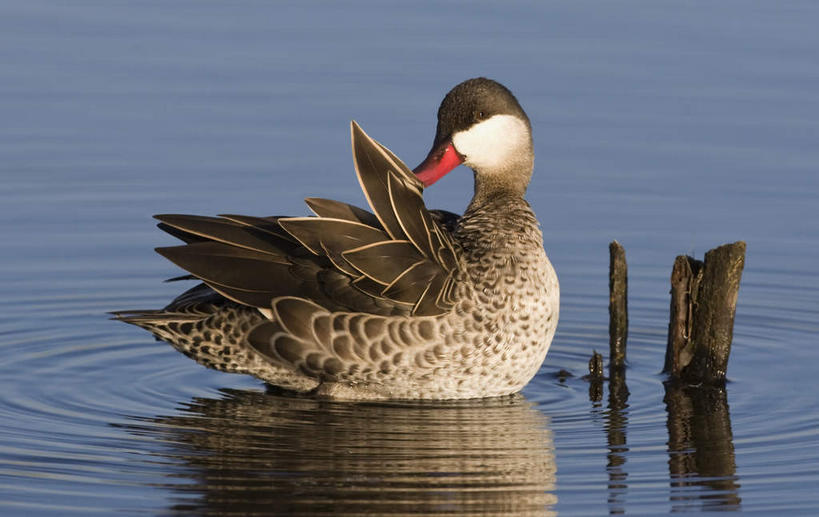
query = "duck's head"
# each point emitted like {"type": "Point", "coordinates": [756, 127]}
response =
{"type": "Point", "coordinates": [481, 124]}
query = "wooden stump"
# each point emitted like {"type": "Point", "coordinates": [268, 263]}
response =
{"type": "Point", "coordinates": [618, 307]}
{"type": "Point", "coordinates": [703, 306]}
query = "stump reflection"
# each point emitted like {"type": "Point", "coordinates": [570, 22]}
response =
{"type": "Point", "coordinates": [700, 449]}
{"type": "Point", "coordinates": [616, 433]}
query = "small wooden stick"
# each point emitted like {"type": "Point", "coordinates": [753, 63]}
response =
{"type": "Point", "coordinates": [596, 366]}
{"type": "Point", "coordinates": [595, 377]}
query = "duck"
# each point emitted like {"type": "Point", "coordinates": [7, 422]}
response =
{"type": "Point", "coordinates": [396, 302]}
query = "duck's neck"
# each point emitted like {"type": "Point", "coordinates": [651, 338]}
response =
{"type": "Point", "coordinates": [509, 181]}
{"type": "Point", "coordinates": [503, 222]}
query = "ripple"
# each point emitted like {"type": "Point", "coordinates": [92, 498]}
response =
{"type": "Point", "coordinates": [94, 419]}
{"type": "Point", "coordinates": [95, 415]}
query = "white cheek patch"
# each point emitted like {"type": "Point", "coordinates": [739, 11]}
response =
{"type": "Point", "coordinates": [492, 143]}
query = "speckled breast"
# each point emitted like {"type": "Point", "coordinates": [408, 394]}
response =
{"type": "Point", "coordinates": [508, 297]}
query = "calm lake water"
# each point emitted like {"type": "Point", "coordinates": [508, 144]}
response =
{"type": "Point", "coordinates": [672, 128]}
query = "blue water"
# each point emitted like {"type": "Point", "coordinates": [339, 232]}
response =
{"type": "Point", "coordinates": [671, 127]}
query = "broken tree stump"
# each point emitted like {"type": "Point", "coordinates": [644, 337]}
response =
{"type": "Point", "coordinates": [703, 306]}
{"type": "Point", "coordinates": [618, 306]}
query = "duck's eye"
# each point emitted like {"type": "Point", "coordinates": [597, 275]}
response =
{"type": "Point", "coordinates": [480, 115]}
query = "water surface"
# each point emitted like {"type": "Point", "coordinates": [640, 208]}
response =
{"type": "Point", "coordinates": [670, 128]}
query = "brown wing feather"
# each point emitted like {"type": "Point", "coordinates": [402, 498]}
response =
{"type": "Point", "coordinates": [222, 230]}
{"type": "Point", "coordinates": [337, 235]}
{"type": "Point", "coordinates": [413, 282]}
{"type": "Point", "coordinates": [427, 304]}
{"type": "Point", "coordinates": [337, 210]}
{"type": "Point", "coordinates": [395, 196]}
{"type": "Point", "coordinates": [375, 289]}
{"type": "Point", "coordinates": [372, 166]}
{"type": "Point", "coordinates": [231, 266]}
{"type": "Point", "coordinates": [268, 225]}
{"type": "Point", "coordinates": [182, 235]}
{"type": "Point", "coordinates": [383, 261]}
{"type": "Point", "coordinates": [397, 260]}
{"type": "Point", "coordinates": [409, 209]}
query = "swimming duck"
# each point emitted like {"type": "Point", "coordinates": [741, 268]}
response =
{"type": "Point", "coordinates": [398, 303]}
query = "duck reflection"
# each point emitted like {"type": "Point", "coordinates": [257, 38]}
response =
{"type": "Point", "coordinates": [700, 449]}
{"type": "Point", "coordinates": [252, 452]}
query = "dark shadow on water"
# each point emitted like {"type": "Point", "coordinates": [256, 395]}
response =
{"type": "Point", "coordinates": [701, 462]}
{"type": "Point", "coordinates": [251, 452]}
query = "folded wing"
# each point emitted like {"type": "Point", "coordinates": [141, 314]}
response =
{"type": "Point", "coordinates": [397, 260]}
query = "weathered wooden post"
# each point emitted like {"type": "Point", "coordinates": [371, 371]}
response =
{"type": "Point", "coordinates": [618, 323]}
{"type": "Point", "coordinates": [618, 391]}
{"type": "Point", "coordinates": [703, 306]}
{"type": "Point", "coordinates": [618, 306]}
{"type": "Point", "coordinates": [618, 330]}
